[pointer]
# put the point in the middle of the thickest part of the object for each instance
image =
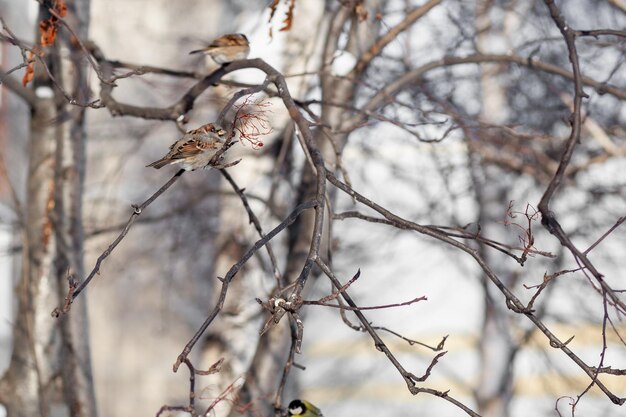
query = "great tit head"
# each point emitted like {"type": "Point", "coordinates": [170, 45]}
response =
{"type": "Point", "coordinates": [303, 408]}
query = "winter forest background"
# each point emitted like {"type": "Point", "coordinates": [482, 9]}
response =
{"type": "Point", "coordinates": [429, 207]}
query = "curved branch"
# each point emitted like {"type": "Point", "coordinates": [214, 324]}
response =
{"type": "Point", "coordinates": [548, 218]}
{"type": "Point", "coordinates": [411, 77]}
{"type": "Point", "coordinates": [409, 378]}
{"type": "Point", "coordinates": [411, 17]}
{"type": "Point", "coordinates": [173, 112]}
{"type": "Point", "coordinates": [512, 302]}
{"type": "Point", "coordinates": [230, 275]}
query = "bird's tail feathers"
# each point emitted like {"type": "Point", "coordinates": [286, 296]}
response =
{"type": "Point", "coordinates": [159, 164]}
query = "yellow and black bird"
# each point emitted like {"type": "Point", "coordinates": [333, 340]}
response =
{"type": "Point", "coordinates": [303, 408]}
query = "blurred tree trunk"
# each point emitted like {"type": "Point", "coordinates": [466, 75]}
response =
{"type": "Point", "coordinates": [269, 359]}
{"type": "Point", "coordinates": [269, 352]}
{"type": "Point", "coordinates": [50, 369]}
{"type": "Point", "coordinates": [496, 345]}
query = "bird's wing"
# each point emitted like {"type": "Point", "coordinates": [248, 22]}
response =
{"type": "Point", "coordinates": [190, 147]}
{"type": "Point", "coordinates": [217, 43]}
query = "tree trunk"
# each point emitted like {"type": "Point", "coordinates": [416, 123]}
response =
{"type": "Point", "coordinates": [496, 347]}
{"type": "Point", "coordinates": [50, 370]}
{"type": "Point", "coordinates": [269, 360]}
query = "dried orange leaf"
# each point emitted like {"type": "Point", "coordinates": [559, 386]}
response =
{"type": "Point", "coordinates": [273, 7]}
{"type": "Point", "coordinates": [60, 7]}
{"type": "Point", "coordinates": [48, 31]}
{"type": "Point", "coordinates": [289, 17]}
{"type": "Point", "coordinates": [30, 70]}
{"type": "Point", "coordinates": [29, 74]}
{"type": "Point", "coordinates": [48, 27]}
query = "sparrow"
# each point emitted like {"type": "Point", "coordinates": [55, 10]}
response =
{"type": "Point", "coordinates": [227, 48]}
{"type": "Point", "coordinates": [303, 408]}
{"type": "Point", "coordinates": [195, 149]}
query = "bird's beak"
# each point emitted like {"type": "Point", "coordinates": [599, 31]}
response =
{"type": "Point", "coordinates": [221, 132]}
{"type": "Point", "coordinates": [197, 51]}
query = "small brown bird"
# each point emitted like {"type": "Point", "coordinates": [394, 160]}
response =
{"type": "Point", "coordinates": [195, 149]}
{"type": "Point", "coordinates": [227, 48]}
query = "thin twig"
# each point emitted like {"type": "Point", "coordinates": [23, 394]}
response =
{"type": "Point", "coordinates": [409, 378]}
{"type": "Point", "coordinates": [233, 271]}
{"type": "Point", "coordinates": [137, 210]}
{"type": "Point", "coordinates": [254, 220]}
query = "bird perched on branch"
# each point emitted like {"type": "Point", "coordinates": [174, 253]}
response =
{"type": "Point", "coordinates": [227, 48]}
{"type": "Point", "coordinates": [303, 408]}
{"type": "Point", "coordinates": [195, 149]}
